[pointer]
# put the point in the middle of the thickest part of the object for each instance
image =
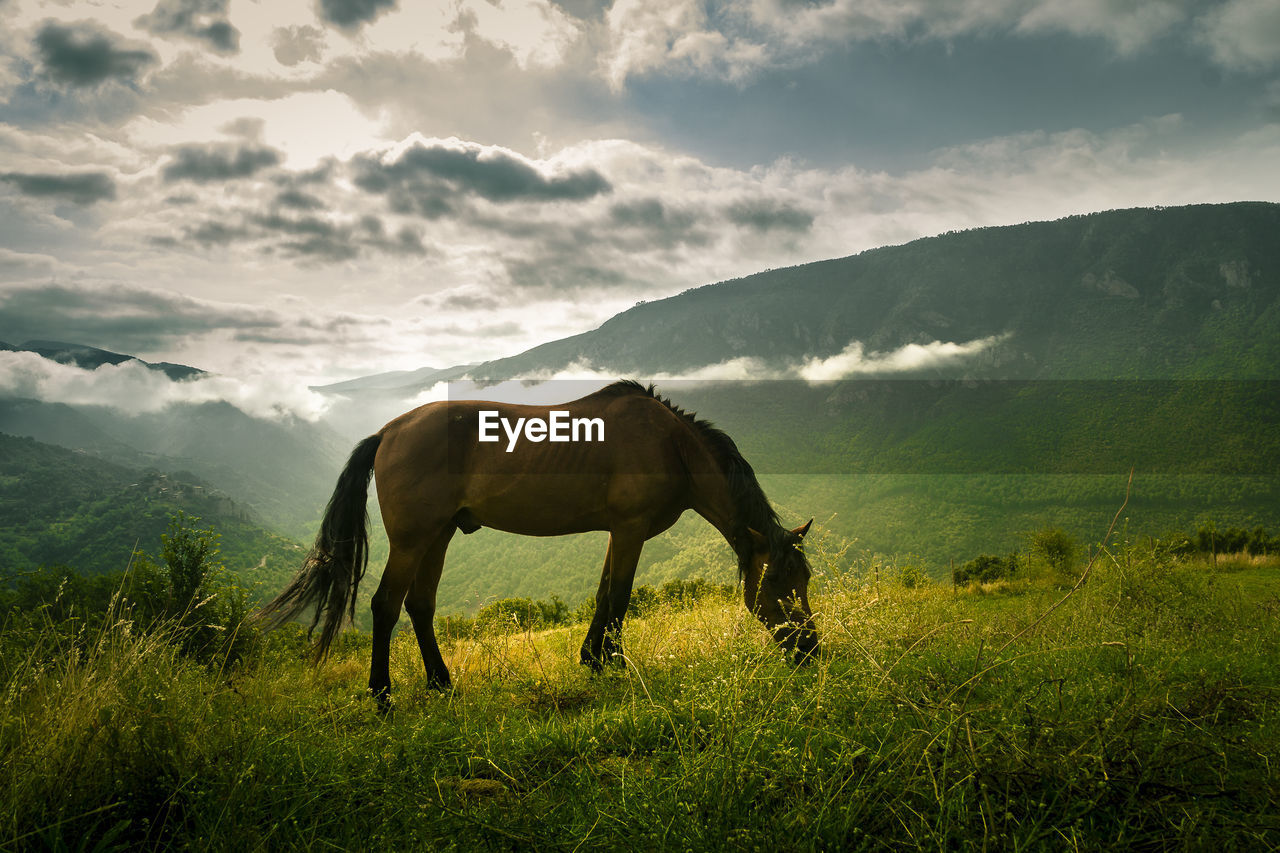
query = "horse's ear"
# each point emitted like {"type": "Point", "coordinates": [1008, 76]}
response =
{"type": "Point", "coordinates": [803, 529]}
{"type": "Point", "coordinates": [757, 539]}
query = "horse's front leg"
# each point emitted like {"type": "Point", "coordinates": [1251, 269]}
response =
{"type": "Point", "coordinates": [603, 643]}
{"type": "Point", "coordinates": [592, 653]}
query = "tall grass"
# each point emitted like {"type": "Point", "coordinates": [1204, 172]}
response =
{"type": "Point", "coordinates": [1142, 713]}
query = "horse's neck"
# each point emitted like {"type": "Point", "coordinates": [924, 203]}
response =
{"type": "Point", "coordinates": [712, 497]}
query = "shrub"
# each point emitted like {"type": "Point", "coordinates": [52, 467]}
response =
{"type": "Point", "coordinates": [987, 568]}
{"type": "Point", "coordinates": [525, 613]}
{"type": "Point", "coordinates": [187, 598]}
{"type": "Point", "coordinates": [644, 600]}
{"type": "Point", "coordinates": [684, 593]}
{"type": "Point", "coordinates": [1056, 547]}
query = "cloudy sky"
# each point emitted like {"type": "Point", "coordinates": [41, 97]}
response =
{"type": "Point", "coordinates": [319, 189]}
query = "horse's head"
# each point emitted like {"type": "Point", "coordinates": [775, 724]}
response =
{"type": "Point", "coordinates": [777, 591]}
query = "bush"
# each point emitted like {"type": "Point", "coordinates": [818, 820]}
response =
{"type": "Point", "coordinates": [912, 575]}
{"type": "Point", "coordinates": [684, 593]}
{"type": "Point", "coordinates": [186, 597]}
{"type": "Point", "coordinates": [987, 568]}
{"type": "Point", "coordinates": [644, 600]}
{"type": "Point", "coordinates": [524, 613]}
{"type": "Point", "coordinates": [1209, 538]}
{"type": "Point", "coordinates": [1056, 547]}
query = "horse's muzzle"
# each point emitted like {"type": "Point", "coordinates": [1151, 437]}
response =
{"type": "Point", "coordinates": [801, 638]}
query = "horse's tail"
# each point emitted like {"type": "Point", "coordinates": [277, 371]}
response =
{"type": "Point", "coordinates": [331, 574]}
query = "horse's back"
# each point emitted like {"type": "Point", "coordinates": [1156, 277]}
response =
{"type": "Point", "coordinates": [625, 462]}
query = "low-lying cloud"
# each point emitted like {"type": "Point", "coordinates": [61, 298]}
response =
{"type": "Point", "coordinates": [853, 361]}
{"type": "Point", "coordinates": [133, 387]}
{"type": "Point", "coordinates": [579, 378]}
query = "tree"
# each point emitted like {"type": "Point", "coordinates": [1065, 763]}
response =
{"type": "Point", "coordinates": [188, 554]}
{"type": "Point", "coordinates": [1056, 547]}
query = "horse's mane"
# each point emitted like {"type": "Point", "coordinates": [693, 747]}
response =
{"type": "Point", "coordinates": [752, 509]}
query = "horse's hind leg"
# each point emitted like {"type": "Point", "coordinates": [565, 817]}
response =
{"type": "Point", "coordinates": [421, 606]}
{"type": "Point", "coordinates": [397, 577]}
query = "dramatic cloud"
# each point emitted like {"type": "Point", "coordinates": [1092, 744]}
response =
{"type": "Point", "coordinates": [490, 175]}
{"type": "Point", "coordinates": [217, 162]}
{"type": "Point", "coordinates": [353, 14]}
{"type": "Point", "coordinates": [330, 241]}
{"type": "Point", "coordinates": [321, 239]}
{"type": "Point", "coordinates": [84, 54]}
{"type": "Point", "coordinates": [203, 20]}
{"type": "Point", "coordinates": [130, 319]}
{"type": "Point", "coordinates": [426, 178]}
{"type": "Point", "coordinates": [84, 188]}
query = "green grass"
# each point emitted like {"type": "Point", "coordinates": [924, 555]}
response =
{"type": "Point", "coordinates": [1143, 713]}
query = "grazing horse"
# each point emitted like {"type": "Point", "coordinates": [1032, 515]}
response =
{"type": "Point", "coordinates": [637, 465]}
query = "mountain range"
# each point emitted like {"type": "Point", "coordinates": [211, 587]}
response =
{"type": "Point", "coordinates": [1173, 293]}
{"type": "Point", "coordinates": [91, 358]}
{"type": "Point", "coordinates": [938, 398]}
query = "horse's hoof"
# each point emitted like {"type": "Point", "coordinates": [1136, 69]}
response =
{"type": "Point", "coordinates": [383, 697]}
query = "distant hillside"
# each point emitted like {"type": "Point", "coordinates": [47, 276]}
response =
{"type": "Point", "coordinates": [281, 470]}
{"type": "Point", "coordinates": [89, 358]}
{"type": "Point", "coordinates": [63, 507]}
{"type": "Point", "coordinates": [1189, 292]}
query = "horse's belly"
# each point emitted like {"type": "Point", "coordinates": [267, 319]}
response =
{"type": "Point", "coordinates": [551, 505]}
{"type": "Point", "coordinates": [558, 504]}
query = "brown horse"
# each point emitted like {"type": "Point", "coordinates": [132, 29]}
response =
{"type": "Point", "coordinates": [637, 463]}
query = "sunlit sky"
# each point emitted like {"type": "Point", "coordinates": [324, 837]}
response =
{"type": "Point", "coordinates": [320, 190]}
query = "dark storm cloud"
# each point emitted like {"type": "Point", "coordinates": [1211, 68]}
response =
{"type": "Point", "coordinates": [765, 214]}
{"type": "Point", "coordinates": [426, 179]}
{"type": "Point", "coordinates": [116, 316]}
{"type": "Point", "coordinates": [203, 20]}
{"type": "Point", "coordinates": [83, 188]}
{"type": "Point", "coordinates": [659, 224]}
{"type": "Point", "coordinates": [313, 237]}
{"type": "Point", "coordinates": [563, 274]}
{"type": "Point", "coordinates": [473, 301]}
{"type": "Point", "coordinates": [208, 163]}
{"type": "Point", "coordinates": [298, 200]}
{"type": "Point", "coordinates": [311, 330]}
{"type": "Point", "coordinates": [308, 238]}
{"type": "Point", "coordinates": [353, 14]}
{"type": "Point", "coordinates": [292, 45]}
{"type": "Point", "coordinates": [83, 54]}
{"type": "Point", "coordinates": [211, 234]}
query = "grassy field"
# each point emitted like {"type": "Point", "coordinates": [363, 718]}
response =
{"type": "Point", "coordinates": [1142, 713]}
